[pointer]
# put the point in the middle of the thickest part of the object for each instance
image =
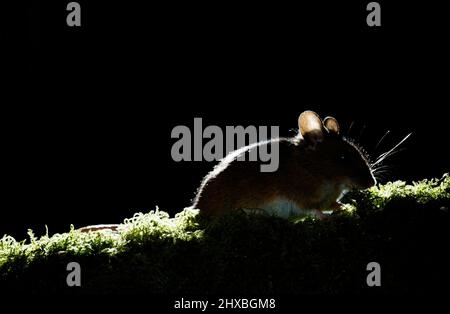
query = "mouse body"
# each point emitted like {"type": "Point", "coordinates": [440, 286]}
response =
{"type": "Point", "coordinates": [315, 168]}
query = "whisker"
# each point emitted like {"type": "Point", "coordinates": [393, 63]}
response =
{"type": "Point", "coordinates": [380, 168]}
{"type": "Point", "coordinates": [389, 152]}
{"type": "Point", "coordinates": [350, 128]}
{"type": "Point", "coordinates": [383, 171]}
{"type": "Point", "coordinates": [396, 151]}
{"type": "Point", "coordinates": [382, 175]}
{"type": "Point", "coordinates": [381, 140]}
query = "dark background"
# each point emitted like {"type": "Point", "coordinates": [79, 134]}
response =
{"type": "Point", "coordinates": [88, 140]}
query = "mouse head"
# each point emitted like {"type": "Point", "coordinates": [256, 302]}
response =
{"type": "Point", "coordinates": [338, 157]}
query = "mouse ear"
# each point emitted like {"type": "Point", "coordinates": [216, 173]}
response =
{"type": "Point", "coordinates": [331, 125]}
{"type": "Point", "coordinates": [311, 127]}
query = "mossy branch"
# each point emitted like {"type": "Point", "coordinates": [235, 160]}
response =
{"type": "Point", "coordinates": [403, 227]}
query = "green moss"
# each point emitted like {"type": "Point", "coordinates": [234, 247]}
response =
{"type": "Point", "coordinates": [402, 227]}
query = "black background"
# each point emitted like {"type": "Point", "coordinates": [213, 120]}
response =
{"type": "Point", "coordinates": [89, 141]}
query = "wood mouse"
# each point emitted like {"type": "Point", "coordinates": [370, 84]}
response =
{"type": "Point", "coordinates": [315, 168]}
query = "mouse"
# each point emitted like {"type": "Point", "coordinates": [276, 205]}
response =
{"type": "Point", "coordinates": [316, 167]}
